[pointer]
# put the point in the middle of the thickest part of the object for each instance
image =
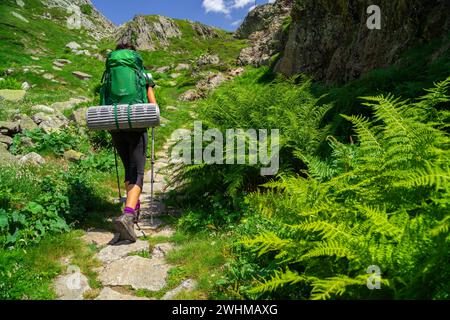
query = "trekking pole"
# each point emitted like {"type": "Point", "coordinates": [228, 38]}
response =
{"type": "Point", "coordinates": [117, 175]}
{"type": "Point", "coordinates": [152, 178]}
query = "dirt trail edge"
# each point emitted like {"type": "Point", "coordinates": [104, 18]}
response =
{"type": "Point", "coordinates": [126, 266]}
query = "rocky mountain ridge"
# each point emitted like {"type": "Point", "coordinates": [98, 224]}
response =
{"type": "Point", "coordinates": [149, 33]}
{"type": "Point", "coordinates": [330, 40]}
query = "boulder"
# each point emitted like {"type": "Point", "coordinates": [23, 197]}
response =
{"type": "Point", "coordinates": [79, 116]}
{"type": "Point", "coordinates": [12, 95]}
{"type": "Point", "coordinates": [6, 140]}
{"type": "Point", "coordinates": [82, 75]}
{"type": "Point", "coordinates": [61, 106]}
{"type": "Point", "coordinates": [171, 108]}
{"type": "Point", "coordinates": [62, 62]}
{"type": "Point", "coordinates": [163, 69]}
{"type": "Point", "coordinates": [182, 66]}
{"type": "Point", "coordinates": [5, 156]}
{"type": "Point", "coordinates": [236, 72]}
{"type": "Point", "coordinates": [9, 127]}
{"type": "Point", "coordinates": [190, 95]}
{"type": "Point", "coordinates": [175, 75]}
{"type": "Point", "coordinates": [73, 156]}
{"type": "Point", "coordinates": [42, 108]}
{"type": "Point", "coordinates": [73, 46]}
{"type": "Point", "coordinates": [48, 76]}
{"type": "Point", "coordinates": [32, 158]}
{"type": "Point", "coordinates": [26, 86]}
{"type": "Point", "coordinates": [211, 82]}
{"type": "Point", "coordinates": [26, 123]}
{"type": "Point", "coordinates": [207, 59]}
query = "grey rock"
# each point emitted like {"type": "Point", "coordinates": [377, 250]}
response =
{"type": "Point", "coordinates": [137, 272]}
{"type": "Point", "coordinates": [64, 105]}
{"type": "Point", "coordinates": [207, 59]}
{"type": "Point", "coordinates": [206, 32]}
{"type": "Point", "coordinates": [5, 156]}
{"type": "Point", "coordinates": [73, 156]}
{"type": "Point", "coordinates": [120, 250]}
{"type": "Point", "coordinates": [171, 108]}
{"type": "Point", "coordinates": [110, 294]}
{"type": "Point", "coordinates": [10, 127]}
{"type": "Point", "coordinates": [82, 75]}
{"type": "Point", "coordinates": [32, 158]}
{"type": "Point", "coordinates": [61, 62]}
{"type": "Point", "coordinates": [264, 27]}
{"type": "Point", "coordinates": [73, 45]}
{"type": "Point", "coordinates": [161, 249]}
{"type": "Point", "coordinates": [57, 68]}
{"type": "Point", "coordinates": [25, 86]}
{"type": "Point", "coordinates": [12, 95]}
{"type": "Point", "coordinates": [190, 95]}
{"type": "Point", "coordinates": [25, 123]}
{"type": "Point", "coordinates": [236, 72]}
{"type": "Point", "coordinates": [175, 75]}
{"type": "Point", "coordinates": [42, 108]}
{"type": "Point", "coordinates": [183, 66]}
{"type": "Point", "coordinates": [20, 17]}
{"type": "Point", "coordinates": [48, 76]}
{"type": "Point", "coordinates": [149, 34]}
{"type": "Point", "coordinates": [163, 69]}
{"type": "Point", "coordinates": [100, 237]}
{"type": "Point", "coordinates": [27, 142]}
{"type": "Point", "coordinates": [20, 3]}
{"type": "Point", "coordinates": [187, 285]}
{"type": "Point", "coordinates": [8, 141]}
{"type": "Point", "coordinates": [211, 82]}
{"type": "Point", "coordinates": [79, 116]}
{"type": "Point", "coordinates": [71, 286]}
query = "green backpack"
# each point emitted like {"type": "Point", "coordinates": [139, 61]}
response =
{"type": "Point", "coordinates": [124, 81]}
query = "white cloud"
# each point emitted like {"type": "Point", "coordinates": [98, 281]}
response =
{"type": "Point", "coordinates": [215, 6]}
{"type": "Point", "coordinates": [251, 8]}
{"type": "Point", "coordinates": [236, 23]}
{"type": "Point", "coordinates": [242, 3]}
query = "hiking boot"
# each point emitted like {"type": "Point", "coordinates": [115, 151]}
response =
{"type": "Point", "coordinates": [125, 226]}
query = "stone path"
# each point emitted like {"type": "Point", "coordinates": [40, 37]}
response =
{"type": "Point", "coordinates": [128, 265]}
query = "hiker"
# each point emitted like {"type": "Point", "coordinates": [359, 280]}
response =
{"type": "Point", "coordinates": [129, 84]}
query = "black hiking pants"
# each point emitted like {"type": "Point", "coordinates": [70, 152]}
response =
{"type": "Point", "coordinates": [132, 149]}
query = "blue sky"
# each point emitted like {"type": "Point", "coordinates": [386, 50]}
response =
{"type": "Point", "coordinates": [225, 14]}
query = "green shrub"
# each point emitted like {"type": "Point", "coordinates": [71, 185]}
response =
{"type": "Point", "coordinates": [382, 202]}
{"type": "Point", "coordinates": [248, 103]}
{"type": "Point", "coordinates": [55, 142]}
{"type": "Point", "coordinates": [10, 83]}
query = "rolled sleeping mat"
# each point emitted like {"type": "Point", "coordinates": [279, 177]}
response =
{"type": "Point", "coordinates": [123, 116]}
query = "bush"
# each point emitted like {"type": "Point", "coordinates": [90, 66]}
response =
{"type": "Point", "coordinates": [382, 202]}
{"type": "Point", "coordinates": [248, 103]}
{"type": "Point", "coordinates": [35, 202]}
{"type": "Point", "coordinates": [10, 83]}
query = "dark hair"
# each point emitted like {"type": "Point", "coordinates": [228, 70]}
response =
{"type": "Point", "coordinates": [123, 46]}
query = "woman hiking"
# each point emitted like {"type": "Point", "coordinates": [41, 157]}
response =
{"type": "Point", "coordinates": [128, 83]}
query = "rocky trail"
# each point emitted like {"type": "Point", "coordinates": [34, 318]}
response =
{"type": "Point", "coordinates": [125, 266]}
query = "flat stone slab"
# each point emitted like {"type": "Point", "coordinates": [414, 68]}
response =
{"type": "Point", "coordinates": [187, 285]}
{"type": "Point", "coordinates": [121, 250]}
{"type": "Point", "coordinates": [146, 224]}
{"type": "Point", "coordinates": [100, 237]}
{"type": "Point", "coordinates": [110, 294]}
{"type": "Point", "coordinates": [12, 95]}
{"type": "Point", "coordinates": [164, 232]}
{"type": "Point", "coordinates": [71, 286]}
{"type": "Point", "coordinates": [137, 272]}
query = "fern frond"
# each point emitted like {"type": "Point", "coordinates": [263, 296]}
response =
{"type": "Point", "coordinates": [279, 279]}
{"type": "Point", "coordinates": [329, 248]}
